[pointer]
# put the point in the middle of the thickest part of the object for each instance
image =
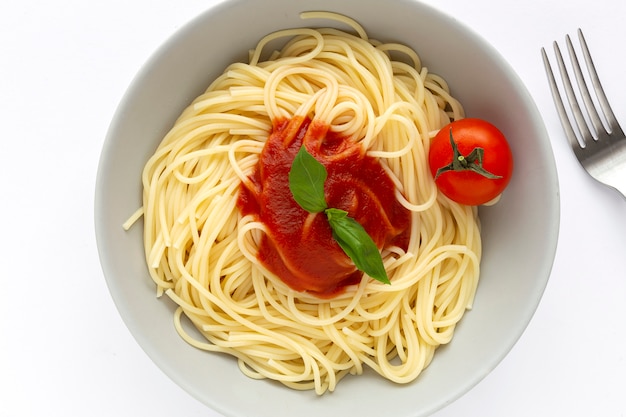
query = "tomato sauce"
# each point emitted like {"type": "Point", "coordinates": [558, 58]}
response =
{"type": "Point", "coordinates": [298, 246]}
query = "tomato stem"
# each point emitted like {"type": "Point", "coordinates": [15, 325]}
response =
{"type": "Point", "coordinates": [472, 162]}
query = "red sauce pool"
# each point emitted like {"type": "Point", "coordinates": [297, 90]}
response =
{"type": "Point", "coordinates": [299, 247]}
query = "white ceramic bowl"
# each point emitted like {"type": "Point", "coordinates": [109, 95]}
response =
{"type": "Point", "coordinates": [520, 232]}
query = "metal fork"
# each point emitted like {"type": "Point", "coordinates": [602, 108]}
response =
{"type": "Point", "coordinates": [600, 150]}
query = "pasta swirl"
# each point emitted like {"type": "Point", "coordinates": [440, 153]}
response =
{"type": "Point", "coordinates": [202, 252]}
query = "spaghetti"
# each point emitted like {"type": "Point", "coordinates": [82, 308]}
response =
{"type": "Point", "coordinates": [203, 253]}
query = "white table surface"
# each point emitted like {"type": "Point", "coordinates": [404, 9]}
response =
{"type": "Point", "coordinates": [64, 350]}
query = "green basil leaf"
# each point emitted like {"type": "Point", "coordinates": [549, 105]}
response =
{"type": "Point", "coordinates": [306, 182]}
{"type": "Point", "coordinates": [357, 244]}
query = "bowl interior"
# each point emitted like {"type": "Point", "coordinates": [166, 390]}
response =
{"type": "Point", "coordinates": [519, 233]}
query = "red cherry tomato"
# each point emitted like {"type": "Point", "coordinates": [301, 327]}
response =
{"type": "Point", "coordinates": [479, 169]}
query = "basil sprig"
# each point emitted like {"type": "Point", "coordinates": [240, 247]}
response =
{"type": "Point", "coordinates": [306, 182]}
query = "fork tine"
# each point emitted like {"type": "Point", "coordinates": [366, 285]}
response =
{"type": "Point", "coordinates": [614, 126]}
{"type": "Point", "coordinates": [558, 102]}
{"type": "Point", "coordinates": [587, 136]}
{"type": "Point", "coordinates": [582, 85]}
{"type": "Point", "coordinates": [604, 157]}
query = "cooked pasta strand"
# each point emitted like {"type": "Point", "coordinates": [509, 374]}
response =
{"type": "Point", "coordinates": [202, 253]}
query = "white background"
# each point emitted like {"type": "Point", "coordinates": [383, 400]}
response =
{"type": "Point", "coordinates": [64, 350]}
